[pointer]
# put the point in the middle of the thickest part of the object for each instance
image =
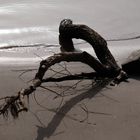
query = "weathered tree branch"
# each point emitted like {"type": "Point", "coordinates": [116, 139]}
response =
{"type": "Point", "coordinates": [68, 30]}
{"type": "Point", "coordinates": [72, 77]}
{"type": "Point", "coordinates": [106, 66]}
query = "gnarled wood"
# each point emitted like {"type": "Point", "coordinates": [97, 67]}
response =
{"type": "Point", "coordinates": [68, 31]}
{"type": "Point", "coordinates": [106, 66]}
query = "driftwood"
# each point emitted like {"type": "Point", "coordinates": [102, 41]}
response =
{"type": "Point", "coordinates": [105, 66]}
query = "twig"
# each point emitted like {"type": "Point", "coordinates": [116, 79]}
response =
{"type": "Point", "coordinates": [51, 90]}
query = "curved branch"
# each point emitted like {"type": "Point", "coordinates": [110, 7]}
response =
{"type": "Point", "coordinates": [105, 67]}
{"type": "Point", "coordinates": [83, 57]}
{"type": "Point", "coordinates": [15, 104]}
{"type": "Point", "coordinates": [68, 31]}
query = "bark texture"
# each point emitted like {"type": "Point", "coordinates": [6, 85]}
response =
{"type": "Point", "coordinates": [68, 31]}
{"type": "Point", "coordinates": [105, 66]}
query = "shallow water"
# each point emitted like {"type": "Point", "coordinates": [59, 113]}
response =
{"type": "Point", "coordinates": [30, 22]}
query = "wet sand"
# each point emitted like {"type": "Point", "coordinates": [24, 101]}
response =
{"type": "Point", "coordinates": [92, 112]}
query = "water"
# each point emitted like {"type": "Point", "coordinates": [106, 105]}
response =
{"type": "Point", "coordinates": [31, 22]}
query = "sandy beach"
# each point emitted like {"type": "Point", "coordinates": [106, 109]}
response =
{"type": "Point", "coordinates": [90, 112]}
{"type": "Point", "coordinates": [85, 110]}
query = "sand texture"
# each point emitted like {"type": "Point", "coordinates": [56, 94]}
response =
{"type": "Point", "coordinates": [92, 112]}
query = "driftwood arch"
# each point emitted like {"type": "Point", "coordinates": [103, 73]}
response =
{"type": "Point", "coordinates": [68, 31]}
{"type": "Point", "coordinates": [105, 66]}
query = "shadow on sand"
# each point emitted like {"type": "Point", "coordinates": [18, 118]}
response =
{"type": "Point", "coordinates": [48, 131]}
{"type": "Point", "coordinates": [131, 68]}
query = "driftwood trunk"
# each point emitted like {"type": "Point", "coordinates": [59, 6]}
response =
{"type": "Point", "coordinates": [105, 65]}
{"type": "Point", "coordinates": [68, 31]}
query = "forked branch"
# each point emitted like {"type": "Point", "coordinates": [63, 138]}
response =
{"type": "Point", "coordinates": [105, 66]}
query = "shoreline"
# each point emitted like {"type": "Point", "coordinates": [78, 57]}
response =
{"type": "Point", "coordinates": [32, 56]}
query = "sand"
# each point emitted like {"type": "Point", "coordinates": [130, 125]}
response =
{"type": "Point", "coordinates": [113, 112]}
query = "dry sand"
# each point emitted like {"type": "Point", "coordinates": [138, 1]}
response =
{"type": "Point", "coordinates": [113, 112]}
